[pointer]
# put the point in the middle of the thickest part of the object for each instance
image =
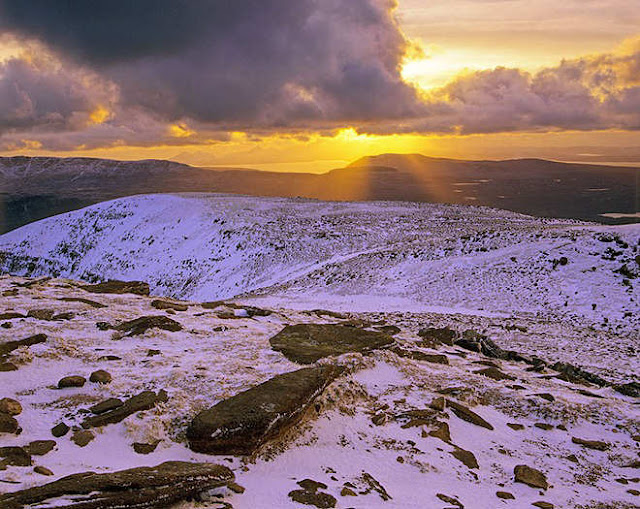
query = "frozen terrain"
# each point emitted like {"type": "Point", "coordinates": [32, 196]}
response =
{"type": "Point", "coordinates": [559, 291]}
{"type": "Point", "coordinates": [353, 256]}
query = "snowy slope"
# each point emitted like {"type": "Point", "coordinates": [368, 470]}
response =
{"type": "Point", "coordinates": [355, 256]}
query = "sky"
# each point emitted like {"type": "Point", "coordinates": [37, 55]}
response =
{"type": "Point", "coordinates": [308, 85]}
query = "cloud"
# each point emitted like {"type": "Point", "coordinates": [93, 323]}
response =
{"type": "Point", "coordinates": [116, 72]}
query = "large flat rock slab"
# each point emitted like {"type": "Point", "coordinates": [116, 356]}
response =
{"type": "Point", "coordinates": [306, 343]}
{"type": "Point", "coordinates": [241, 424]}
{"type": "Point", "coordinates": [143, 487]}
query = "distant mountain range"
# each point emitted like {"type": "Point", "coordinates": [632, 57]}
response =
{"type": "Point", "coordinates": [32, 188]}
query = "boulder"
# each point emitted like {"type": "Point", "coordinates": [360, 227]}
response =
{"type": "Point", "coordinates": [42, 470]}
{"type": "Point", "coordinates": [105, 406]}
{"type": "Point", "coordinates": [71, 381]}
{"type": "Point", "coordinates": [40, 447]}
{"type": "Point", "coordinates": [142, 488]}
{"type": "Point", "coordinates": [114, 286]}
{"type": "Point", "coordinates": [530, 476]}
{"type": "Point", "coordinates": [60, 430]}
{"type": "Point", "coordinates": [10, 346]}
{"type": "Point", "coordinates": [167, 304]}
{"type": "Point", "coordinates": [15, 456]}
{"type": "Point", "coordinates": [306, 343]}
{"type": "Point", "coordinates": [465, 457]}
{"type": "Point", "coordinates": [141, 325]}
{"type": "Point", "coordinates": [417, 355]}
{"type": "Point", "coordinates": [462, 412]}
{"type": "Point", "coordinates": [82, 437]}
{"type": "Point", "coordinates": [10, 406]}
{"type": "Point", "coordinates": [100, 377]}
{"type": "Point", "coordinates": [591, 444]}
{"type": "Point", "coordinates": [494, 373]}
{"type": "Point", "coordinates": [241, 424]}
{"type": "Point", "coordinates": [8, 424]}
{"type": "Point", "coordinates": [143, 401]}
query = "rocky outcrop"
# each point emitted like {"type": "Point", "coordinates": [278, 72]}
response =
{"type": "Point", "coordinates": [141, 325]}
{"type": "Point", "coordinates": [306, 343]}
{"type": "Point", "coordinates": [114, 286]}
{"type": "Point", "coordinates": [10, 346]}
{"type": "Point", "coordinates": [530, 476]}
{"type": "Point", "coordinates": [241, 424]}
{"type": "Point", "coordinates": [144, 487]}
{"type": "Point", "coordinates": [143, 401]}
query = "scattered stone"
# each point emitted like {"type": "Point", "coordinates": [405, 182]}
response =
{"type": "Point", "coordinates": [41, 314]}
{"type": "Point", "coordinates": [515, 426]}
{"type": "Point", "coordinates": [505, 495]}
{"type": "Point", "coordinates": [466, 457]}
{"type": "Point", "coordinates": [15, 456]}
{"type": "Point", "coordinates": [544, 426]}
{"type": "Point", "coordinates": [10, 346]}
{"type": "Point", "coordinates": [88, 302]}
{"type": "Point", "coordinates": [546, 396]}
{"type": "Point", "coordinates": [42, 470]}
{"type": "Point", "coordinates": [152, 353]}
{"type": "Point", "coordinates": [629, 389]}
{"type": "Point", "coordinates": [236, 488]}
{"type": "Point", "coordinates": [450, 500]}
{"type": "Point", "coordinates": [242, 423]}
{"type": "Point", "coordinates": [543, 505]}
{"type": "Point", "coordinates": [306, 343]}
{"type": "Point", "coordinates": [633, 492]}
{"type": "Point", "coordinates": [100, 377]}
{"type": "Point", "coordinates": [143, 401]}
{"type": "Point", "coordinates": [417, 355]}
{"type": "Point", "coordinates": [144, 323]}
{"type": "Point", "coordinates": [143, 487]}
{"type": "Point", "coordinates": [165, 304]}
{"type": "Point", "coordinates": [572, 458]}
{"type": "Point", "coordinates": [71, 381]}
{"type": "Point", "coordinates": [561, 427]}
{"type": "Point", "coordinates": [105, 406]}
{"type": "Point", "coordinates": [379, 419]}
{"type": "Point", "coordinates": [60, 430]}
{"type": "Point", "coordinates": [494, 373]}
{"type": "Point", "coordinates": [331, 314]}
{"type": "Point", "coordinates": [415, 418]}
{"type": "Point", "coordinates": [142, 448]}
{"type": "Point", "coordinates": [348, 492]}
{"type": "Point", "coordinates": [114, 286]}
{"type": "Point", "coordinates": [8, 424]}
{"type": "Point", "coordinates": [442, 432]}
{"type": "Point", "coordinates": [40, 447]}
{"type": "Point", "coordinates": [591, 444]}
{"type": "Point", "coordinates": [530, 476]}
{"type": "Point", "coordinates": [374, 485]}
{"type": "Point", "coordinates": [462, 412]}
{"type": "Point", "coordinates": [438, 404]}
{"type": "Point", "coordinates": [10, 315]}
{"type": "Point", "coordinates": [109, 358]}
{"type": "Point", "coordinates": [10, 406]}
{"type": "Point", "coordinates": [321, 500]}
{"type": "Point", "coordinates": [82, 438]}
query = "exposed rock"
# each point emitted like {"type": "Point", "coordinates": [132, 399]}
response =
{"type": "Point", "coordinates": [7, 366]}
{"type": "Point", "coordinates": [15, 456]}
{"type": "Point", "coordinates": [391, 330]}
{"type": "Point", "coordinates": [466, 457]}
{"type": "Point", "coordinates": [143, 487]}
{"type": "Point", "coordinates": [142, 448]}
{"type": "Point", "coordinates": [166, 304]}
{"type": "Point", "coordinates": [465, 414]}
{"type": "Point", "coordinates": [40, 447]}
{"type": "Point", "coordinates": [88, 302]}
{"type": "Point", "coordinates": [10, 346]}
{"type": "Point", "coordinates": [530, 476]}
{"type": "Point", "coordinates": [236, 488]}
{"type": "Point", "coordinates": [348, 492]}
{"type": "Point", "coordinates": [42, 470]}
{"type": "Point", "coordinates": [311, 485]}
{"type": "Point", "coordinates": [441, 431]}
{"type": "Point", "coordinates": [41, 314]}
{"type": "Point", "coordinates": [143, 401]}
{"type": "Point", "coordinates": [374, 485]}
{"type": "Point", "coordinates": [544, 426]}
{"type": "Point", "coordinates": [321, 500]}
{"type": "Point", "coordinates": [450, 500]}
{"type": "Point", "coordinates": [242, 423]}
{"type": "Point", "coordinates": [60, 430]}
{"type": "Point", "coordinates": [8, 424]}
{"type": "Point", "coordinates": [494, 373]}
{"type": "Point", "coordinates": [546, 396]}
{"type": "Point", "coordinates": [114, 286]}
{"type": "Point", "coordinates": [10, 406]}
{"type": "Point", "coordinates": [11, 315]}
{"type": "Point", "coordinates": [435, 336]}
{"type": "Point", "coordinates": [329, 313]}
{"type": "Point", "coordinates": [515, 426]}
{"type": "Point", "coordinates": [505, 495]}
{"type": "Point", "coordinates": [438, 404]}
{"type": "Point", "coordinates": [306, 343]}
{"type": "Point", "coordinates": [543, 505]}
{"type": "Point", "coordinates": [100, 377]}
{"type": "Point", "coordinates": [141, 325]}
{"type": "Point", "coordinates": [572, 373]}
{"type": "Point", "coordinates": [629, 389]}
{"type": "Point", "coordinates": [417, 355]}
{"type": "Point", "coordinates": [415, 418]}
{"type": "Point", "coordinates": [591, 444]}
{"type": "Point", "coordinates": [71, 381]}
{"type": "Point", "coordinates": [105, 406]}
{"type": "Point", "coordinates": [82, 438]}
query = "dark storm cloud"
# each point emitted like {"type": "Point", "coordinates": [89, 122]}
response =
{"type": "Point", "coordinates": [278, 62]}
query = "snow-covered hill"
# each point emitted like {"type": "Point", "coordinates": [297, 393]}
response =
{"type": "Point", "coordinates": [355, 256]}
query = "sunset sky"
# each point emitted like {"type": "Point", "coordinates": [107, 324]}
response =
{"type": "Point", "coordinates": [308, 85]}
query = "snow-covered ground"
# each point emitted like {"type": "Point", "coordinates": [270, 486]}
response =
{"type": "Point", "coordinates": [355, 256]}
{"type": "Point", "coordinates": [213, 358]}
{"type": "Point", "coordinates": [560, 290]}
